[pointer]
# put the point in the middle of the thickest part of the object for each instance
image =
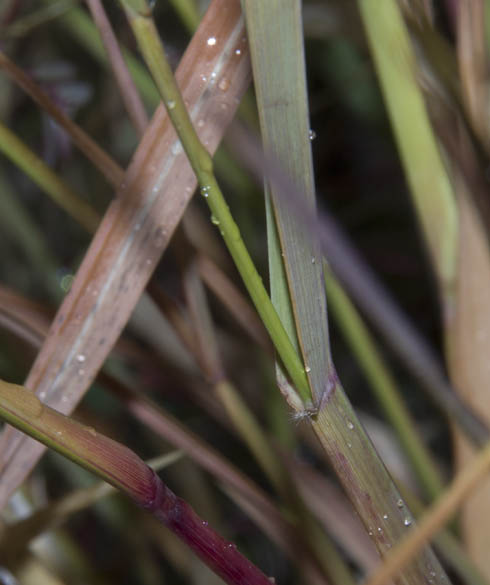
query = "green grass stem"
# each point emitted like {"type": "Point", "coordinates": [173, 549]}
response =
{"type": "Point", "coordinates": [383, 385]}
{"type": "Point", "coordinates": [48, 180]}
{"type": "Point", "coordinates": [426, 174]}
{"type": "Point", "coordinates": [202, 164]}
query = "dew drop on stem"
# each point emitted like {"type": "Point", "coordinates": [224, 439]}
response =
{"type": "Point", "coordinates": [160, 237]}
{"type": "Point", "coordinates": [224, 84]}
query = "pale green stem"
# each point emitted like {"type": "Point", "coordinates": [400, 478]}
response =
{"type": "Point", "coordinates": [202, 164]}
{"type": "Point", "coordinates": [42, 175]}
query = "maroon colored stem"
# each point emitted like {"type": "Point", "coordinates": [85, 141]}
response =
{"type": "Point", "coordinates": [220, 555]}
{"type": "Point", "coordinates": [123, 469]}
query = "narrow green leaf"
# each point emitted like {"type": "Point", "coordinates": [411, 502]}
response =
{"type": "Point", "coordinates": [276, 42]}
{"type": "Point", "coordinates": [275, 33]}
{"type": "Point", "coordinates": [426, 175]}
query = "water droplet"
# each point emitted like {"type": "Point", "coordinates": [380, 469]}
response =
{"type": "Point", "coordinates": [148, 261]}
{"type": "Point", "coordinates": [137, 227]}
{"type": "Point", "coordinates": [380, 530]}
{"type": "Point", "coordinates": [407, 521]}
{"type": "Point", "coordinates": [238, 52]}
{"type": "Point", "coordinates": [171, 104]}
{"type": "Point", "coordinates": [312, 135]}
{"type": "Point", "coordinates": [59, 433]}
{"type": "Point", "coordinates": [81, 358]}
{"type": "Point", "coordinates": [66, 282]}
{"type": "Point", "coordinates": [385, 516]}
{"type": "Point", "coordinates": [205, 522]}
{"type": "Point", "coordinates": [400, 503]}
{"type": "Point", "coordinates": [211, 41]}
{"type": "Point", "coordinates": [204, 78]}
{"type": "Point", "coordinates": [224, 84]}
{"type": "Point", "coordinates": [349, 445]}
{"type": "Point", "coordinates": [200, 123]}
{"type": "Point", "coordinates": [205, 191]}
{"type": "Point", "coordinates": [160, 237]}
{"type": "Point", "coordinates": [214, 220]}
{"type": "Point", "coordinates": [92, 431]}
{"type": "Point", "coordinates": [350, 425]}
{"type": "Point", "coordinates": [81, 372]}
{"type": "Point", "coordinates": [42, 395]}
{"type": "Point", "coordinates": [313, 260]}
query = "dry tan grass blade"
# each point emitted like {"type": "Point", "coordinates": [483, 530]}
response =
{"type": "Point", "coordinates": [468, 335]}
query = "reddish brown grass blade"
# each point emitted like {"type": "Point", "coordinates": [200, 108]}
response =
{"type": "Point", "coordinates": [129, 94]}
{"type": "Point", "coordinates": [134, 232]}
{"type": "Point", "coordinates": [104, 163]}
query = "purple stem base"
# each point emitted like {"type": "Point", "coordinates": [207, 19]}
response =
{"type": "Point", "coordinates": [220, 555]}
